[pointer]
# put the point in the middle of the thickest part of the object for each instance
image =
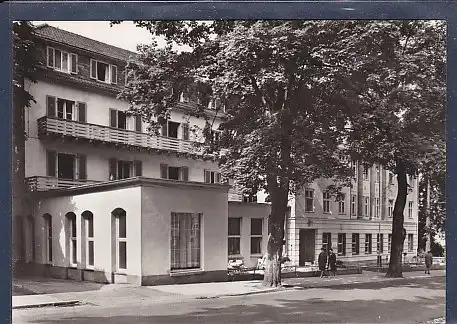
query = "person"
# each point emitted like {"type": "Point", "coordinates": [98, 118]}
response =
{"type": "Point", "coordinates": [332, 262]}
{"type": "Point", "coordinates": [322, 261]}
{"type": "Point", "coordinates": [428, 262]}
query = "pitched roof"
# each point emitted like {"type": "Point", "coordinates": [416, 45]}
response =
{"type": "Point", "coordinates": [72, 39]}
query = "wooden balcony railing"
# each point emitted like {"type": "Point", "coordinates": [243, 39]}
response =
{"type": "Point", "coordinates": [63, 127]}
{"type": "Point", "coordinates": [49, 183]}
{"type": "Point", "coordinates": [234, 195]}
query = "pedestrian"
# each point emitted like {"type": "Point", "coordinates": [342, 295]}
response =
{"type": "Point", "coordinates": [428, 262]}
{"type": "Point", "coordinates": [332, 262]}
{"type": "Point", "coordinates": [322, 261]}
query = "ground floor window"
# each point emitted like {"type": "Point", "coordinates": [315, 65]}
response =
{"type": "Point", "coordinates": [355, 244]}
{"type": "Point", "coordinates": [341, 244]}
{"type": "Point", "coordinates": [88, 219]}
{"type": "Point", "coordinates": [389, 243]}
{"type": "Point", "coordinates": [234, 235]}
{"type": "Point", "coordinates": [120, 222]}
{"type": "Point", "coordinates": [72, 238]}
{"type": "Point", "coordinates": [327, 241]}
{"type": "Point", "coordinates": [410, 242]}
{"type": "Point", "coordinates": [48, 237]}
{"type": "Point", "coordinates": [368, 246]}
{"type": "Point", "coordinates": [256, 235]}
{"type": "Point", "coordinates": [185, 241]}
{"type": "Point", "coordinates": [380, 243]}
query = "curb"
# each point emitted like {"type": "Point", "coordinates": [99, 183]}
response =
{"type": "Point", "coordinates": [50, 304]}
{"type": "Point", "coordinates": [269, 290]}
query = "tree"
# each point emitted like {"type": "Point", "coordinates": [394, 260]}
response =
{"type": "Point", "coordinates": [397, 86]}
{"type": "Point", "coordinates": [277, 132]}
{"type": "Point", "coordinates": [25, 66]}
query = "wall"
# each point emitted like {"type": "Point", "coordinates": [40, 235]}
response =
{"type": "Point", "coordinates": [101, 204]}
{"type": "Point", "coordinates": [158, 202]}
{"type": "Point", "coordinates": [247, 211]}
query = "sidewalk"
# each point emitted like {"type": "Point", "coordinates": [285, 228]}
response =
{"type": "Point", "coordinates": [123, 294]}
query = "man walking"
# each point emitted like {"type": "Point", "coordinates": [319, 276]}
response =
{"type": "Point", "coordinates": [322, 260]}
{"type": "Point", "coordinates": [332, 262]}
{"type": "Point", "coordinates": [428, 262]}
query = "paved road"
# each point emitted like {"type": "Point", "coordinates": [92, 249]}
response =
{"type": "Point", "coordinates": [408, 301]}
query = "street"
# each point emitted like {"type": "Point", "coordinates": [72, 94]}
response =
{"type": "Point", "coordinates": [405, 301]}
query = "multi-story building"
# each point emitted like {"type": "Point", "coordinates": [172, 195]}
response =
{"type": "Point", "coordinates": [111, 203]}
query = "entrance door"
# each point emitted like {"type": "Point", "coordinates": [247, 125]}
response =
{"type": "Point", "coordinates": [306, 246]}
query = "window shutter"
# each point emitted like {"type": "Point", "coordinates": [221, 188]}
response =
{"type": "Point", "coordinates": [184, 173]}
{"type": "Point", "coordinates": [113, 168]}
{"type": "Point", "coordinates": [74, 63]}
{"type": "Point", "coordinates": [218, 177]}
{"type": "Point", "coordinates": [138, 168]}
{"type": "Point", "coordinates": [207, 176]}
{"type": "Point", "coordinates": [93, 69]}
{"type": "Point", "coordinates": [163, 171]}
{"type": "Point", "coordinates": [51, 106]}
{"type": "Point", "coordinates": [82, 167]}
{"type": "Point", "coordinates": [185, 131]}
{"type": "Point", "coordinates": [50, 57]}
{"type": "Point", "coordinates": [82, 112]}
{"type": "Point", "coordinates": [165, 129]}
{"type": "Point", "coordinates": [51, 163]}
{"type": "Point", "coordinates": [113, 118]}
{"type": "Point", "coordinates": [138, 123]}
{"type": "Point", "coordinates": [114, 74]}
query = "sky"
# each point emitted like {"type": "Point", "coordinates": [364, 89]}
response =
{"type": "Point", "coordinates": [124, 35]}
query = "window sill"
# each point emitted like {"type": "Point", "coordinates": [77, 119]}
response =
{"type": "Point", "coordinates": [178, 273]}
{"type": "Point", "coordinates": [121, 272]}
{"type": "Point", "coordinates": [235, 256]}
{"type": "Point", "coordinates": [256, 255]}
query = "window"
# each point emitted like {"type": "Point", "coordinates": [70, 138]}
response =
{"type": "Point", "coordinates": [174, 173]}
{"type": "Point", "coordinates": [48, 237]}
{"type": "Point", "coordinates": [391, 178]}
{"type": "Point", "coordinates": [234, 235]}
{"type": "Point", "coordinates": [366, 206]}
{"type": "Point", "coordinates": [62, 61]}
{"type": "Point", "coordinates": [341, 244]}
{"type": "Point", "coordinates": [124, 169]}
{"type": "Point", "coordinates": [118, 119]}
{"type": "Point", "coordinates": [215, 136]}
{"type": "Point", "coordinates": [365, 173]}
{"type": "Point", "coordinates": [411, 181]}
{"type": "Point", "coordinates": [215, 104]}
{"type": "Point", "coordinates": [66, 166]}
{"type": "Point", "coordinates": [389, 242]}
{"type": "Point", "coordinates": [326, 205]}
{"type": "Point", "coordinates": [249, 198]}
{"type": "Point", "coordinates": [309, 200]}
{"type": "Point", "coordinates": [170, 129]}
{"type": "Point", "coordinates": [184, 97]}
{"type": "Point", "coordinates": [256, 235]}
{"type": "Point", "coordinates": [103, 72]}
{"type": "Point", "coordinates": [355, 244]}
{"type": "Point", "coordinates": [354, 169]}
{"type": "Point", "coordinates": [353, 205]}
{"type": "Point", "coordinates": [66, 109]}
{"type": "Point", "coordinates": [185, 241]}
{"type": "Point", "coordinates": [326, 241]}
{"type": "Point", "coordinates": [212, 176]}
{"type": "Point", "coordinates": [378, 174]}
{"type": "Point", "coordinates": [72, 239]}
{"type": "Point", "coordinates": [410, 209]}
{"type": "Point", "coordinates": [390, 208]}
{"type": "Point", "coordinates": [410, 242]}
{"type": "Point", "coordinates": [88, 219]}
{"type": "Point", "coordinates": [379, 243]}
{"type": "Point", "coordinates": [121, 239]}
{"type": "Point", "coordinates": [377, 207]}
{"type": "Point", "coordinates": [341, 206]}
{"type": "Point", "coordinates": [368, 247]}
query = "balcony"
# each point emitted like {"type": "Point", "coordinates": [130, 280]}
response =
{"type": "Point", "coordinates": [37, 184]}
{"type": "Point", "coordinates": [104, 134]}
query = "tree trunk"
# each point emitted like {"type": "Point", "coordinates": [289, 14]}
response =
{"type": "Point", "coordinates": [272, 276]}
{"type": "Point", "coordinates": [398, 231]}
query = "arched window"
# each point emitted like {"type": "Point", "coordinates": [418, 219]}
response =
{"type": "Point", "coordinates": [87, 234]}
{"type": "Point", "coordinates": [72, 238]}
{"type": "Point", "coordinates": [48, 238]}
{"type": "Point", "coordinates": [120, 223]}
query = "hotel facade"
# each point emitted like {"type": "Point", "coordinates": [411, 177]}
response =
{"type": "Point", "coordinates": [111, 203]}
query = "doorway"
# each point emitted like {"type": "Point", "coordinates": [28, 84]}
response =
{"type": "Point", "coordinates": [306, 246]}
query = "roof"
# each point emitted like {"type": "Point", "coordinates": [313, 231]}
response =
{"type": "Point", "coordinates": [62, 36]}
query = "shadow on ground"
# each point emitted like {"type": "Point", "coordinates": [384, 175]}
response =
{"type": "Point", "coordinates": [315, 310]}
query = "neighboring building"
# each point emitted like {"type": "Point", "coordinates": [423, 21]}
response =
{"type": "Point", "coordinates": [357, 224]}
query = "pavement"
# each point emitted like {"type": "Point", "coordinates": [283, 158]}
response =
{"type": "Point", "coordinates": [53, 292]}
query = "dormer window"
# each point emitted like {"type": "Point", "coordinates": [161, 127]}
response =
{"type": "Point", "coordinates": [62, 61]}
{"type": "Point", "coordinates": [103, 72]}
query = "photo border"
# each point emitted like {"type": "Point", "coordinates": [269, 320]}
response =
{"type": "Point", "coordinates": [205, 10]}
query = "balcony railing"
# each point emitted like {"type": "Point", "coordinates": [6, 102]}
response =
{"type": "Point", "coordinates": [48, 183]}
{"type": "Point", "coordinates": [234, 195]}
{"type": "Point", "coordinates": [63, 127]}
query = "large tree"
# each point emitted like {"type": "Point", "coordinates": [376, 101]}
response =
{"type": "Point", "coordinates": [397, 86]}
{"type": "Point", "coordinates": [25, 66]}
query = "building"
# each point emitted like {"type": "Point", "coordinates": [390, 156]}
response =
{"type": "Point", "coordinates": [110, 203]}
